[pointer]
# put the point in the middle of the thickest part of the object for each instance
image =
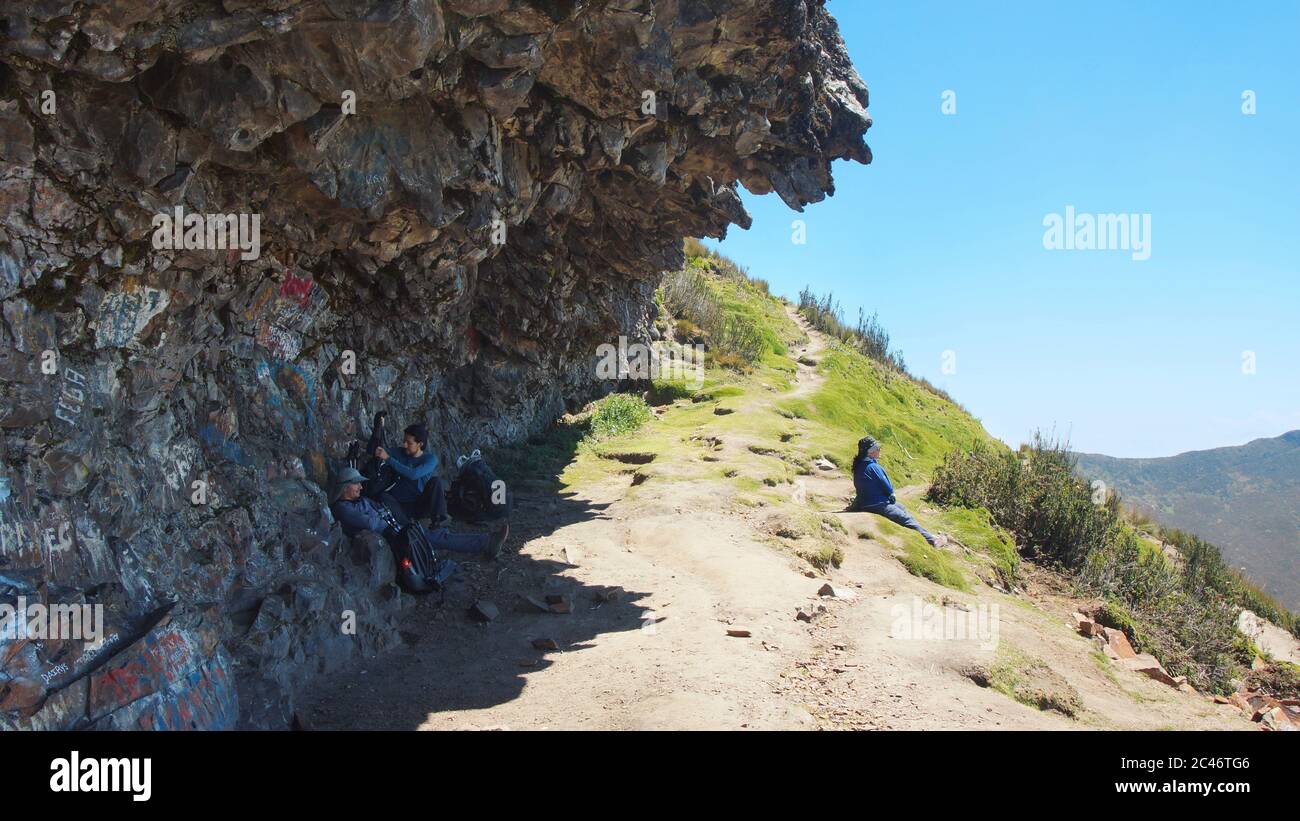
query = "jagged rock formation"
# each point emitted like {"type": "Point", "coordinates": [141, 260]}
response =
{"type": "Point", "coordinates": [456, 201]}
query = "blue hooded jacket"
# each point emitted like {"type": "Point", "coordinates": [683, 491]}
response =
{"type": "Point", "coordinates": [415, 473]}
{"type": "Point", "coordinates": [872, 484]}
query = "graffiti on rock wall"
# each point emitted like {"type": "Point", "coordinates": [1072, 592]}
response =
{"type": "Point", "coordinates": [217, 441]}
{"type": "Point", "coordinates": [125, 313]}
{"type": "Point", "coordinates": [155, 661]}
{"type": "Point", "coordinates": [286, 381]}
{"type": "Point", "coordinates": [72, 397]}
{"type": "Point", "coordinates": [94, 548]}
{"type": "Point", "coordinates": [181, 458]}
{"type": "Point", "coordinates": [165, 681]}
{"type": "Point", "coordinates": [57, 539]}
{"type": "Point", "coordinates": [18, 544]}
{"type": "Point", "coordinates": [205, 701]}
{"type": "Point", "coordinates": [283, 313]}
{"type": "Point", "coordinates": [297, 288]}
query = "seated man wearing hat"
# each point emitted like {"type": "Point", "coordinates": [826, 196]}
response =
{"type": "Point", "coordinates": [876, 494]}
{"type": "Point", "coordinates": [358, 514]}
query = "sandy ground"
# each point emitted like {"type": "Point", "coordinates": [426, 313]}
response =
{"type": "Point", "coordinates": [656, 582]}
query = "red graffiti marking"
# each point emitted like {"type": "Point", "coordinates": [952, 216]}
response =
{"type": "Point", "coordinates": [296, 287]}
{"type": "Point", "coordinates": [157, 664]}
{"type": "Point", "coordinates": [205, 703]}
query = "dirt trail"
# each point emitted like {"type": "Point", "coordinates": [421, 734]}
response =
{"type": "Point", "coordinates": [656, 654]}
{"type": "Point", "coordinates": [808, 379]}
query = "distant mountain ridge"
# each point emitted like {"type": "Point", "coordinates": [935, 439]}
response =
{"type": "Point", "coordinates": [1245, 499]}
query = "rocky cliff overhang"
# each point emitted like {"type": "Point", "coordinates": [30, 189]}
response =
{"type": "Point", "coordinates": [437, 207]}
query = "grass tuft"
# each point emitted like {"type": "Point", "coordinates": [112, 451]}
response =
{"type": "Point", "coordinates": [618, 414]}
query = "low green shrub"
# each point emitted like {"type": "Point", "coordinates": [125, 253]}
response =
{"type": "Point", "coordinates": [1184, 615]}
{"type": "Point", "coordinates": [617, 414]}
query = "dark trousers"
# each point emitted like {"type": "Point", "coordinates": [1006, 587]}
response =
{"type": "Point", "coordinates": [432, 502]}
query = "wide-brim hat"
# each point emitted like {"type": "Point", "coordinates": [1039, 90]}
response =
{"type": "Point", "coordinates": [345, 477]}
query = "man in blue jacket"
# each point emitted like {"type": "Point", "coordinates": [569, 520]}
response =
{"type": "Point", "coordinates": [876, 494]}
{"type": "Point", "coordinates": [418, 489]}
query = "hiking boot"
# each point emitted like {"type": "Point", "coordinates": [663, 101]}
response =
{"type": "Point", "coordinates": [495, 542]}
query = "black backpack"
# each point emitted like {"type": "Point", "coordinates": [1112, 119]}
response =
{"type": "Point", "coordinates": [476, 494]}
{"type": "Point", "coordinates": [418, 571]}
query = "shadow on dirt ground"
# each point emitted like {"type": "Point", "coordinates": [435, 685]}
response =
{"type": "Point", "coordinates": [450, 659]}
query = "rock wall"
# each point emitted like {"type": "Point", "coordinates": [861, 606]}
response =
{"type": "Point", "coordinates": [435, 207]}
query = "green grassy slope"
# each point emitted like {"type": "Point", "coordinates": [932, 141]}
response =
{"type": "Point", "coordinates": [859, 396]}
{"type": "Point", "coordinates": [916, 428]}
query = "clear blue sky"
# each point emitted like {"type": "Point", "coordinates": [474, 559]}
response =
{"type": "Point", "coordinates": [1112, 108]}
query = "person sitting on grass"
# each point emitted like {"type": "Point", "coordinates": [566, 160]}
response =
{"type": "Point", "coordinates": [876, 494]}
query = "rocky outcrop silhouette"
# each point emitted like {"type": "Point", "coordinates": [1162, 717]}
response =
{"type": "Point", "coordinates": [234, 230]}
